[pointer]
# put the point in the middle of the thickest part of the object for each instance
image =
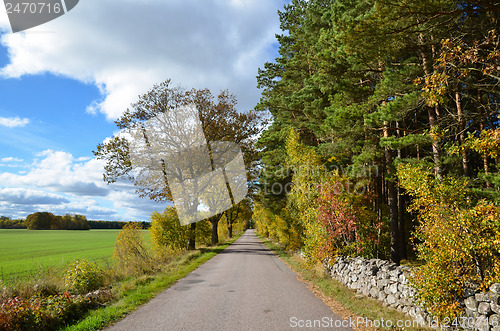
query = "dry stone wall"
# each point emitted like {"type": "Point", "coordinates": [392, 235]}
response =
{"type": "Point", "coordinates": [388, 283]}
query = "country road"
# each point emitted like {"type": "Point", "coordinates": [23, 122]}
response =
{"type": "Point", "coordinates": [245, 287]}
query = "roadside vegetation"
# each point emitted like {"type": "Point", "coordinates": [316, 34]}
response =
{"type": "Point", "coordinates": [141, 269]}
{"type": "Point", "coordinates": [85, 295]}
{"type": "Point", "coordinates": [385, 139]}
{"type": "Point", "coordinates": [29, 255]}
{"type": "Point", "coordinates": [342, 300]}
{"type": "Point", "coordinates": [383, 142]}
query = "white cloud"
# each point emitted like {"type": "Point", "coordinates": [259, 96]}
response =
{"type": "Point", "coordinates": [11, 162]}
{"type": "Point", "coordinates": [126, 46]}
{"type": "Point", "coordinates": [59, 171]}
{"type": "Point", "coordinates": [12, 122]}
{"type": "Point", "coordinates": [89, 208]}
{"type": "Point", "coordinates": [79, 186]}
{"type": "Point", "coordinates": [11, 159]}
{"type": "Point", "coordinates": [22, 196]}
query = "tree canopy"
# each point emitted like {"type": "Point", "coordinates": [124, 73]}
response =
{"type": "Point", "coordinates": [49, 221]}
{"type": "Point", "coordinates": [220, 122]}
{"type": "Point", "coordinates": [385, 123]}
{"type": "Point", "coordinates": [377, 83]}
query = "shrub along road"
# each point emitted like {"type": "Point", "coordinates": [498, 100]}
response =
{"type": "Point", "coordinates": [245, 287]}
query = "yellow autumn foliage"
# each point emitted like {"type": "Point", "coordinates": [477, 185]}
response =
{"type": "Point", "coordinates": [459, 242]}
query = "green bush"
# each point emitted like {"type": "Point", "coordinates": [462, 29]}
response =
{"type": "Point", "coordinates": [324, 216]}
{"type": "Point", "coordinates": [280, 226]}
{"type": "Point", "coordinates": [167, 232]}
{"type": "Point", "coordinates": [130, 252]}
{"type": "Point", "coordinates": [83, 276]}
{"type": "Point", "coordinates": [308, 174]}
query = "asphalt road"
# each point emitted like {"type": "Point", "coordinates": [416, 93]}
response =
{"type": "Point", "coordinates": [245, 287]}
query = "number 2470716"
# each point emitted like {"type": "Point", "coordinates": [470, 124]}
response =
{"type": "Point", "coordinates": [33, 8]}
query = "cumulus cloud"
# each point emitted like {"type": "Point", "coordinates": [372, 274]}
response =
{"type": "Point", "coordinates": [126, 46]}
{"type": "Point", "coordinates": [89, 208]}
{"type": "Point", "coordinates": [21, 209]}
{"type": "Point", "coordinates": [21, 196]}
{"type": "Point", "coordinates": [59, 171]}
{"type": "Point", "coordinates": [13, 122]}
{"type": "Point", "coordinates": [81, 190]}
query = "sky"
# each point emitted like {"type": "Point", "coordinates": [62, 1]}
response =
{"type": "Point", "coordinates": [63, 83]}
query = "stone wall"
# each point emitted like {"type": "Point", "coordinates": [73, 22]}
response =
{"type": "Point", "coordinates": [388, 283]}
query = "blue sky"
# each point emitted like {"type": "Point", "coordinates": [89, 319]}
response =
{"type": "Point", "coordinates": [63, 83]}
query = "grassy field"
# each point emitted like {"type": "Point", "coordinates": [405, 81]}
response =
{"type": "Point", "coordinates": [25, 254]}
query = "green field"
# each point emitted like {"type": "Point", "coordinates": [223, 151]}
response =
{"type": "Point", "coordinates": [25, 254]}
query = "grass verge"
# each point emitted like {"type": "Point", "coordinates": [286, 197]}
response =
{"type": "Point", "coordinates": [137, 291]}
{"type": "Point", "coordinates": [343, 301]}
{"type": "Point", "coordinates": [27, 255]}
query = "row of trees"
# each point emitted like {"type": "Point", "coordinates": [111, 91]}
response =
{"type": "Point", "coordinates": [385, 140]}
{"type": "Point", "coordinates": [135, 257]}
{"type": "Point", "coordinates": [8, 223]}
{"type": "Point", "coordinates": [114, 224]}
{"type": "Point", "coordinates": [379, 83]}
{"type": "Point", "coordinates": [49, 221]}
{"type": "Point", "coordinates": [167, 233]}
{"type": "Point", "coordinates": [220, 122]}
{"type": "Point", "coordinates": [378, 107]}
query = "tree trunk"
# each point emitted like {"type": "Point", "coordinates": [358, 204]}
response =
{"type": "Point", "coordinates": [481, 128]}
{"type": "Point", "coordinates": [401, 209]}
{"type": "Point", "coordinates": [392, 200]}
{"type": "Point", "coordinates": [436, 154]}
{"type": "Point", "coordinates": [192, 237]}
{"type": "Point", "coordinates": [461, 133]}
{"type": "Point", "coordinates": [394, 221]}
{"type": "Point", "coordinates": [230, 230]}
{"type": "Point", "coordinates": [402, 226]}
{"type": "Point", "coordinates": [231, 215]}
{"type": "Point", "coordinates": [214, 220]}
{"type": "Point", "coordinates": [431, 111]}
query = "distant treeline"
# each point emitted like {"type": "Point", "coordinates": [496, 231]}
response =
{"type": "Point", "coordinates": [49, 221]}
{"type": "Point", "coordinates": [114, 224]}
{"type": "Point", "coordinates": [8, 223]}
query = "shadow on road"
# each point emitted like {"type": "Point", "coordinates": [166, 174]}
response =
{"type": "Point", "coordinates": [247, 248]}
